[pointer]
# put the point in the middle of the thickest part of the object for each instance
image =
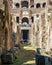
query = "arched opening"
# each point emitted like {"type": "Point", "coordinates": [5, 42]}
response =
{"type": "Point", "coordinates": [24, 4]}
{"type": "Point", "coordinates": [32, 3]}
{"type": "Point", "coordinates": [32, 18]}
{"type": "Point", "coordinates": [38, 5]}
{"type": "Point", "coordinates": [44, 5]}
{"type": "Point", "coordinates": [17, 19]}
{"type": "Point", "coordinates": [17, 5]}
{"type": "Point", "coordinates": [32, 6]}
{"type": "Point", "coordinates": [25, 35]}
{"type": "Point", "coordinates": [25, 20]}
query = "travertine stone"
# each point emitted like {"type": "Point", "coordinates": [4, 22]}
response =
{"type": "Point", "coordinates": [40, 30]}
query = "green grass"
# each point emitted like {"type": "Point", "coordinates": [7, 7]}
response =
{"type": "Point", "coordinates": [25, 56]}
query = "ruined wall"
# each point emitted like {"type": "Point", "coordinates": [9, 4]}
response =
{"type": "Point", "coordinates": [5, 28]}
{"type": "Point", "coordinates": [40, 30]}
{"type": "Point", "coordinates": [8, 26]}
{"type": "Point", "coordinates": [2, 30]}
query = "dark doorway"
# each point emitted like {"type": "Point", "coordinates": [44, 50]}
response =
{"type": "Point", "coordinates": [32, 6]}
{"type": "Point", "coordinates": [25, 35]}
{"type": "Point", "coordinates": [44, 5]}
{"type": "Point", "coordinates": [17, 19]}
{"type": "Point", "coordinates": [32, 18]}
{"type": "Point", "coordinates": [25, 20]}
{"type": "Point", "coordinates": [17, 5]}
{"type": "Point", "coordinates": [38, 5]}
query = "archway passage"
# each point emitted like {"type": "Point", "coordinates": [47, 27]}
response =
{"type": "Point", "coordinates": [44, 5]}
{"type": "Point", "coordinates": [32, 6]}
{"type": "Point", "coordinates": [38, 5]}
{"type": "Point", "coordinates": [25, 35]}
{"type": "Point", "coordinates": [17, 5]}
{"type": "Point", "coordinates": [25, 20]}
{"type": "Point", "coordinates": [24, 4]}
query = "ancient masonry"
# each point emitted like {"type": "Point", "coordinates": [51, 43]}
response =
{"type": "Point", "coordinates": [5, 27]}
{"type": "Point", "coordinates": [32, 21]}
{"type": "Point", "coordinates": [29, 21]}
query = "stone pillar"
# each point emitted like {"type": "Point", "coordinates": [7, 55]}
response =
{"type": "Point", "coordinates": [35, 30]}
{"type": "Point", "coordinates": [47, 32]}
{"type": "Point", "coordinates": [37, 34]}
{"type": "Point", "coordinates": [20, 18]}
{"type": "Point", "coordinates": [50, 30]}
{"type": "Point", "coordinates": [20, 21]}
{"type": "Point", "coordinates": [40, 34]}
{"type": "Point", "coordinates": [34, 35]}
{"type": "Point", "coordinates": [29, 3]}
{"type": "Point", "coordinates": [13, 4]}
{"type": "Point", "coordinates": [31, 35]}
{"type": "Point", "coordinates": [43, 30]}
{"type": "Point", "coordinates": [47, 36]}
{"type": "Point", "coordinates": [41, 6]}
{"type": "Point", "coordinates": [14, 29]}
{"type": "Point", "coordinates": [30, 21]}
{"type": "Point", "coordinates": [51, 38]}
{"type": "Point", "coordinates": [18, 35]}
{"type": "Point", "coordinates": [20, 4]}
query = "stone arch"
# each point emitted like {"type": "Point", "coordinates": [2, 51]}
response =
{"type": "Point", "coordinates": [32, 6]}
{"type": "Point", "coordinates": [44, 5]}
{"type": "Point", "coordinates": [38, 5]}
{"type": "Point", "coordinates": [25, 20]}
{"type": "Point", "coordinates": [24, 4]}
{"type": "Point", "coordinates": [17, 5]}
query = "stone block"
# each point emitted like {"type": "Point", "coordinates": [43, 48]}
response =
{"type": "Point", "coordinates": [7, 58]}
